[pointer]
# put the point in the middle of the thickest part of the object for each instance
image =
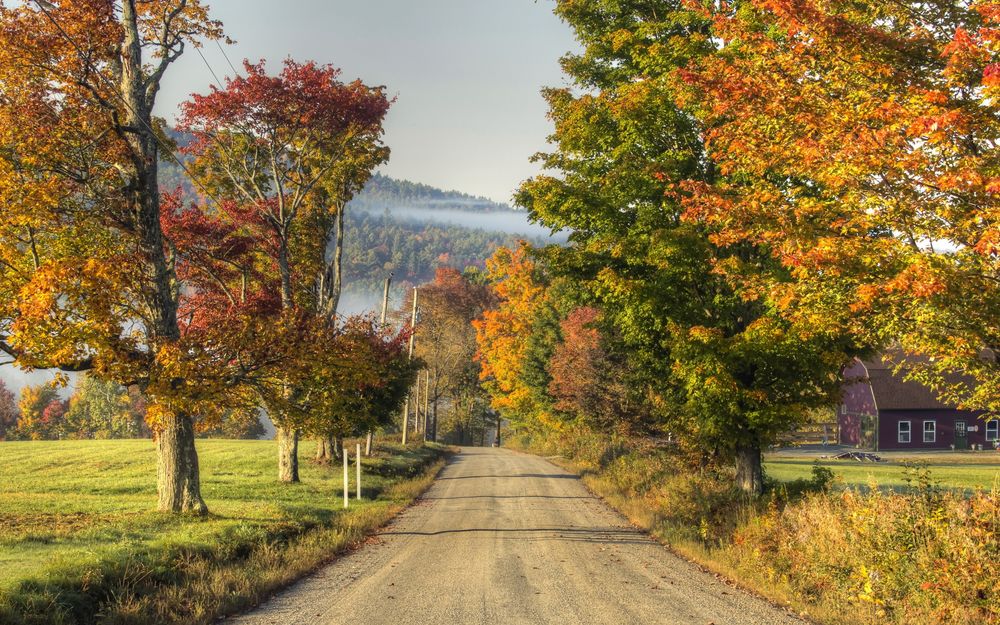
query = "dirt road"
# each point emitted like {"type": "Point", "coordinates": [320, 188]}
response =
{"type": "Point", "coordinates": [504, 538]}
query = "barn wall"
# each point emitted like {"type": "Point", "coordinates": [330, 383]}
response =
{"type": "Point", "coordinates": [858, 402]}
{"type": "Point", "coordinates": [889, 420]}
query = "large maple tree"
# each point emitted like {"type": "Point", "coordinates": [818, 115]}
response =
{"type": "Point", "coordinates": [858, 142]}
{"type": "Point", "coordinates": [86, 275]}
{"type": "Point", "coordinates": [287, 152]}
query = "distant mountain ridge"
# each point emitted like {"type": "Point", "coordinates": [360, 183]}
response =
{"type": "Point", "coordinates": [385, 192]}
{"type": "Point", "coordinates": [404, 228]}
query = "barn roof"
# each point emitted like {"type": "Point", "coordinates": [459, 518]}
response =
{"type": "Point", "coordinates": [893, 392]}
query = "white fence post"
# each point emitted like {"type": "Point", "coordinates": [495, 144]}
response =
{"type": "Point", "coordinates": [346, 476]}
{"type": "Point", "coordinates": [358, 462]}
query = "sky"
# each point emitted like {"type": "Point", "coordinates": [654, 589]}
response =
{"type": "Point", "coordinates": [467, 75]}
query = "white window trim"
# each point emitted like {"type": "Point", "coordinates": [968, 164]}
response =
{"type": "Point", "coordinates": [900, 432]}
{"type": "Point", "coordinates": [996, 430]}
{"type": "Point", "coordinates": [932, 432]}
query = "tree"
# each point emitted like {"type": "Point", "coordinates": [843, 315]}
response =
{"type": "Point", "coordinates": [40, 412]}
{"type": "Point", "coordinates": [446, 339]}
{"type": "Point", "coordinates": [8, 411]}
{"type": "Point", "coordinates": [102, 409]}
{"type": "Point", "coordinates": [239, 425]}
{"type": "Point", "coordinates": [591, 377]}
{"type": "Point", "coordinates": [878, 189]}
{"type": "Point", "coordinates": [504, 334]}
{"type": "Point", "coordinates": [689, 310]}
{"type": "Point", "coordinates": [290, 151]}
{"type": "Point", "coordinates": [369, 382]}
{"type": "Point", "coordinates": [88, 281]}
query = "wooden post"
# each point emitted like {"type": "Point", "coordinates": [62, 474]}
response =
{"type": "Point", "coordinates": [347, 496]}
{"type": "Point", "coordinates": [357, 461]}
{"type": "Point", "coordinates": [413, 325]}
{"type": "Point", "coordinates": [413, 321]}
{"type": "Point", "coordinates": [406, 418]}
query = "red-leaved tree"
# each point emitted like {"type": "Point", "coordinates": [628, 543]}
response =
{"type": "Point", "coordinates": [287, 153]}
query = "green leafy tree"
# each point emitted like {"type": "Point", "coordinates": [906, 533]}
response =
{"type": "Point", "coordinates": [102, 409]}
{"type": "Point", "coordinates": [686, 308]}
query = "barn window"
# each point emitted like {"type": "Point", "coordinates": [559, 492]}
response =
{"type": "Point", "coordinates": [993, 430]}
{"type": "Point", "coordinates": [904, 432]}
{"type": "Point", "coordinates": [930, 431]}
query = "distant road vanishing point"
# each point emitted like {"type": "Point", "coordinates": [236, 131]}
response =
{"type": "Point", "coordinates": [506, 538]}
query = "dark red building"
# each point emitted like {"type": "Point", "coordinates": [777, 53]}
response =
{"type": "Point", "coordinates": [883, 411]}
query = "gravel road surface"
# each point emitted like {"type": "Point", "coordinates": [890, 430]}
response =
{"type": "Point", "coordinates": [505, 538]}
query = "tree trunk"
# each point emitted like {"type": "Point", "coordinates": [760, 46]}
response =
{"type": "Point", "coordinates": [326, 450]}
{"type": "Point", "coordinates": [749, 469]}
{"type": "Point", "coordinates": [288, 455]}
{"type": "Point", "coordinates": [337, 260]}
{"type": "Point", "coordinates": [178, 479]}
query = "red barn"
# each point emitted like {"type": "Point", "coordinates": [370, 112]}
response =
{"type": "Point", "coordinates": [883, 411]}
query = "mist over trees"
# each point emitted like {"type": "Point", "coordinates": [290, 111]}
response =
{"type": "Point", "coordinates": [406, 229]}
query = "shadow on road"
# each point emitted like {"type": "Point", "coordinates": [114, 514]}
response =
{"type": "Point", "coordinates": [571, 534]}
{"type": "Point", "coordinates": [554, 476]}
{"type": "Point", "coordinates": [504, 497]}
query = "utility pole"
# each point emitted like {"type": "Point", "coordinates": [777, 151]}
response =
{"type": "Point", "coordinates": [434, 419]}
{"type": "Point", "coordinates": [385, 299]}
{"type": "Point", "coordinates": [427, 397]}
{"type": "Point", "coordinates": [370, 439]}
{"type": "Point", "coordinates": [413, 325]}
{"type": "Point", "coordinates": [416, 404]}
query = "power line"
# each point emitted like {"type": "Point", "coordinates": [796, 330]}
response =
{"type": "Point", "coordinates": [209, 66]}
{"type": "Point", "coordinates": [231, 66]}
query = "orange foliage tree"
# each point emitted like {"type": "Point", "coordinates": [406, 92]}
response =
{"type": "Point", "coordinates": [858, 142]}
{"type": "Point", "coordinates": [503, 335]}
{"type": "Point", "coordinates": [87, 280]}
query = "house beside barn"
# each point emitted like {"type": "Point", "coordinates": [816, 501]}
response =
{"type": "Point", "coordinates": [883, 411]}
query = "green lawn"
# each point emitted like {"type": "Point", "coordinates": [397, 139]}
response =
{"type": "Point", "coordinates": [70, 506]}
{"type": "Point", "coordinates": [950, 470]}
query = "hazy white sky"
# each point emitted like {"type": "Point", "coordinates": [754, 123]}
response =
{"type": "Point", "coordinates": [467, 74]}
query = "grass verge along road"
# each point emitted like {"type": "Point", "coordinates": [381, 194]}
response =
{"type": "Point", "coordinates": [79, 538]}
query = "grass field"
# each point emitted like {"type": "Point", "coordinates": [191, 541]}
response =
{"type": "Point", "coordinates": [966, 471]}
{"type": "Point", "coordinates": [73, 510]}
